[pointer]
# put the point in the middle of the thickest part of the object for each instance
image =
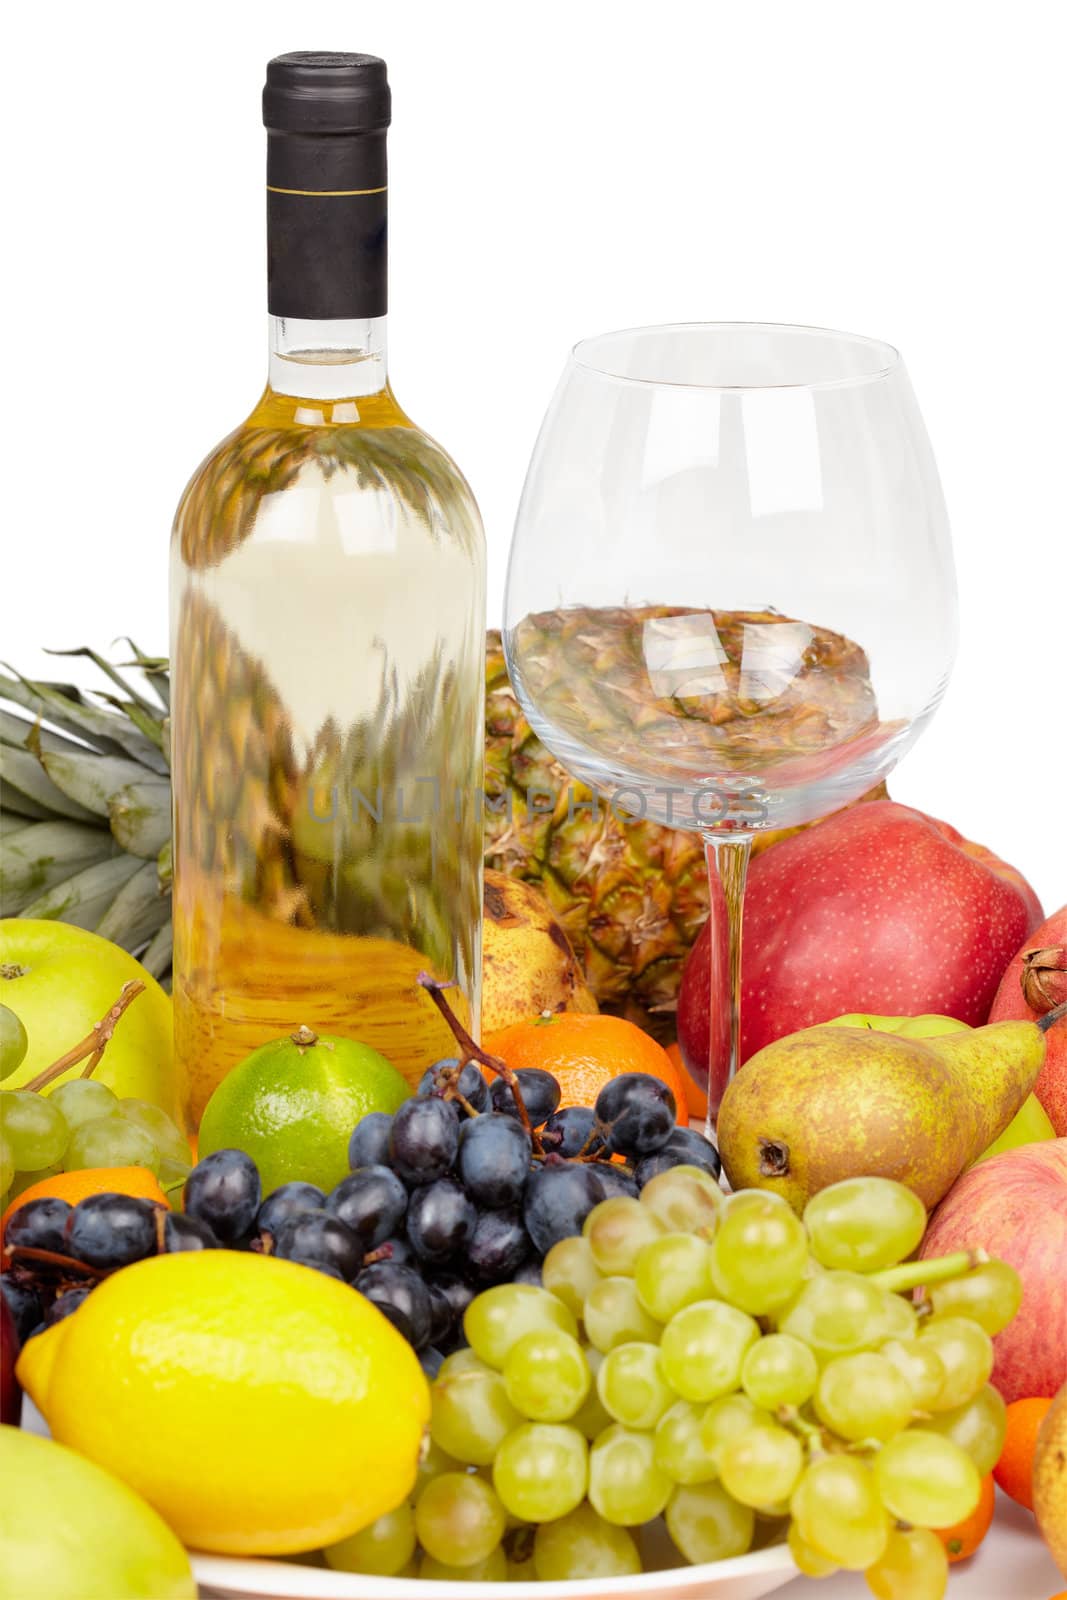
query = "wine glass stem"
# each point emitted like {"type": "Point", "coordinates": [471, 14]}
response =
{"type": "Point", "coordinates": [727, 856]}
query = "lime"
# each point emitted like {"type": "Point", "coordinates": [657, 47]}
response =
{"type": "Point", "coordinates": [292, 1104]}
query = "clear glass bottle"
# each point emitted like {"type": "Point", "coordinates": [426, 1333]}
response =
{"type": "Point", "coordinates": [327, 614]}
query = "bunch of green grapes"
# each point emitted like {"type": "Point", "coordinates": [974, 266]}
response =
{"type": "Point", "coordinates": [80, 1124]}
{"type": "Point", "coordinates": [747, 1375]}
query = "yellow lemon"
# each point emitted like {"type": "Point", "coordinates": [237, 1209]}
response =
{"type": "Point", "coordinates": [261, 1407]}
{"type": "Point", "coordinates": [66, 1528]}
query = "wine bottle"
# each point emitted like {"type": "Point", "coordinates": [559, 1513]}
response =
{"type": "Point", "coordinates": [327, 639]}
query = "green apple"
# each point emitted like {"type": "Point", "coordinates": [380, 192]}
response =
{"type": "Point", "coordinates": [67, 1527]}
{"type": "Point", "coordinates": [1028, 1126]}
{"type": "Point", "coordinates": [926, 1027]}
{"type": "Point", "coordinates": [59, 980]}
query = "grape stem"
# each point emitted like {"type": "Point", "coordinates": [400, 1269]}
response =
{"type": "Point", "coordinates": [384, 1252]}
{"type": "Point", "coordinates": [589, 1153]}
{"type": "Point", "coordinates": [519, 1543]}
{"type": "Point", "coordinates": [24, 1256]}
{"type": "Point", "coordinates": [474, 1052]}
{"type": "Point", "coordinates": [811, 1433]}
{"type": "Point", "coordinates": [815, 1437]}
{"type": "Point", "coordinates": [447, 1080]}
{"type": "Point", "coordinates": [93, 1045]}
{"type": "Point", "coordinates": [913, 1274]}
{"type": "Point", "coordinates": [41, 1263]}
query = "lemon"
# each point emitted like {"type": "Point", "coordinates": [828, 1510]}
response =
{"type": "Point", "coordinates": [67, 1528]}
{"type": "Point", "coordinates": [261, 1407]}
{"type": "Point", "coordinates": [292, 1104]}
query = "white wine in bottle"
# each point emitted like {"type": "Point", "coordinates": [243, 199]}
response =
{"type": "Point", "coordinates": [327, 616]}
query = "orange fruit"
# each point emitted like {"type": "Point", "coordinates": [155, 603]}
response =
{"type": "Point", "coordinates": [1015, 1470]}
{"type": "Point", "coordinates": [696, 1098]}
{"type": "Point", "coordinates": [584, 1052]}
{"type": "Point", "coordinates": [963, 1540]}
{"type": "Point", "coordinates": [75, 1186]}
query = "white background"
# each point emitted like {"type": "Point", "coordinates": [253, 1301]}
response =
{"type": "Point", "coordinates": [556, 170]}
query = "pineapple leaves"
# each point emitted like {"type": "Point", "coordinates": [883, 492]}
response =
{"type": "Point", "coordinates": [84, 898]}
{"type": "Point", "coordinates": [140, 817]}
{"type": "Point", "coordinates": [156, 959]}
{"type": "Point", "coordinates": [149, 724]}
{"type": "Point", "coordinates": [26, 735]}
{"type": "Point", "coordinates": [44, 854]}
{"type": "Point", "coordinates": [156, 669]}
{"type": "Point", "coordinates": [109, 672]}
{"type": "Point", "coordinates": [15, 804]}
{"type": "Point", "coordinates": [86, 812]}
{"type": "Point", "coordinates": [106, 733]}
{"type": "Point", "coordinates": [25, 778]}
{"type": "Point", "coordinates": [137, 912]}
{"type": "Point", "coordinates": [165, 866]}
{"type": "Point", "coordinates": [91, 780]}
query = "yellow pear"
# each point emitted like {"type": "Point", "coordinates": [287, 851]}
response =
{"type": "Point", "coordinates": [1028, 1126]}
{"type": "Point", "coordinates": [528, 966]}
{"type": "Point", "coordinates": [1050, 1479]}
{"type": "Point", "coordinates": [998, 1066]}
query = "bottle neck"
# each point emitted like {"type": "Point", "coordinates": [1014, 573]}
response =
{"type": "Point", "coordinates": [331, 359]}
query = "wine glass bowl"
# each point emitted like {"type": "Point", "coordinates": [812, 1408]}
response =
{"type": "Point", "coordinates": [704, 718]}
{"type": "Point", "coordinates": [730, 603]}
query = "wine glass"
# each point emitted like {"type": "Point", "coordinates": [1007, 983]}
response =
{"type": "Point", "coordinates": [730, 599]}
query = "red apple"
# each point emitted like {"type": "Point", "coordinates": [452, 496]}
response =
{"type": "Point", "coordinates": [1015, 1207]}
{"type": "Point", "coordinates": [878, 909]}
{"type": "Point", "coordinates": [1028, 989]}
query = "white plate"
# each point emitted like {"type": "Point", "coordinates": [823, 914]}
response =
{"type": "Point", "coordinates": [744, 1578]}
{"type": "Point", "coordinates": [226, 1578]}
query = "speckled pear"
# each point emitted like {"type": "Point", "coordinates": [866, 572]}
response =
{"type": "Point", "coordinates": [836, 1102]}
{"type": "Point", "coordinates": [999, 1065]}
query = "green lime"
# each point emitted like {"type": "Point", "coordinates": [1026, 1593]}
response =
{"type": "Point", "coordinates": [292, 1104]}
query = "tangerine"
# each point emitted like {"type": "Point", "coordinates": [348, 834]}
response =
{"type": "Point", "coordinates": [75, 1186]}
{"type": "Point", "coordinates": [696, 1098]}
{"type": "Point", "coordinates": [1014, 1471]}
{"type": "Point", "coordinates": [963, 1539]}
{"type": "Point", "coordinates": [584, 1052]}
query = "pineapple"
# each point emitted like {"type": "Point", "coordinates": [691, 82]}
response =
{"type": "Point", "coordinates": [228, 702]}
{"type": "Point", "coordinates": [85, 824]}
{"type": "Point", "coordinates": [631, 896]}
